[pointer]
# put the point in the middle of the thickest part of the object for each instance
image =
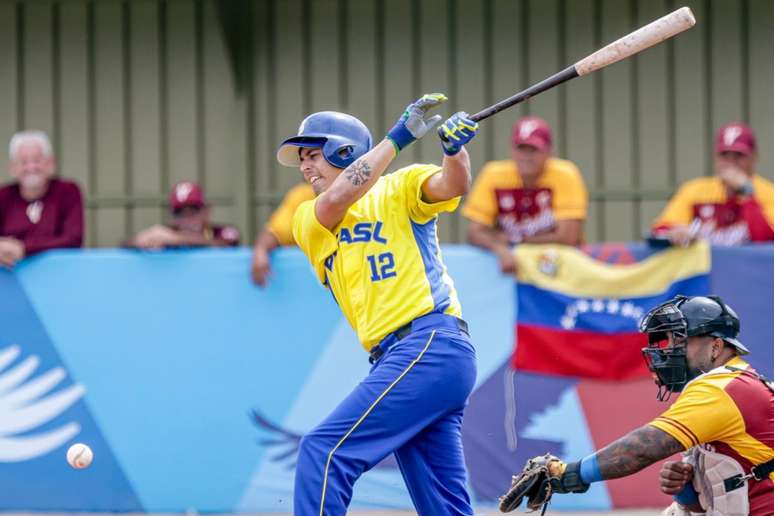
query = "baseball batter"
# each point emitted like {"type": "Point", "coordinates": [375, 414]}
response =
{"type": "Point", "coordinates": [372, 242]}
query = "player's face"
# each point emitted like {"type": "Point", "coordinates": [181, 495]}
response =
{"type": "Point", "coordinates": [31, 167]}
{"type": "Point", "coordinates": [732, 159]}
{"type": "Point", "coordinates": [698, 354]}
{"type": "Point", "coordinates": [530, 161]}
{"type": "Point", "coordinates": [316, 170]}
{"type": "Point", "coordinates": [192, 218]}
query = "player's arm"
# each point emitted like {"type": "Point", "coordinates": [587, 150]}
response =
{"type": "Point", "coordinates": [261, 266]}
{"type": "Point", "coordinates": [360, 176]}
{"type": "Point", "coordinates": [567, 232]}
{"type": "Point", "coordinates": [353, 183]}
{"type": "Point", "coordinates": [187, 239]}
{"type": "Point", "coordinates": [496, 241]}
{"type": "Point", "coordinates": [635, 451]}
{"type": "Point", "coordinates": [626, 456]}
{"type": "Point", "coordinates": [455, 178]}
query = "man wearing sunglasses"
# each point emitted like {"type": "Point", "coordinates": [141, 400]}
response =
{"type": "Point", "coordinates": [723, 420]}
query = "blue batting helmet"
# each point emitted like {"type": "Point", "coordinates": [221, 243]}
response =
{"type": "Point", "coordinates": [342, 138]}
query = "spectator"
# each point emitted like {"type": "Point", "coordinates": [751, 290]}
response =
{"type": "Point", "coordinates": [532, 198]}
{"type": "Point", "coordinates": [37, 211]}
{"type": "Point", "coordinates": [733, 207]}
{"type": "Point", "coordinates": [278, 232]}
{"type": "Point", "coordinates": [190, 225]}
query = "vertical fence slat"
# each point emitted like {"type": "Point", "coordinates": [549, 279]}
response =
{"type": "Point", "coordinates": [109, 119]}
{"type": "Point", "coordinates": [145, 108]}
{"type": "Point", "coordinates": [9, 95]}
{"type": "Point", "coordinates": [761, 24]}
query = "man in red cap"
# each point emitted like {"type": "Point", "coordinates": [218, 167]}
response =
{"type": "Point", "coordinates": [733, 207]}
{"type": "Point", "coordinates": [190, 225]}
{"type": "Point", "coordinates": [533, 197]}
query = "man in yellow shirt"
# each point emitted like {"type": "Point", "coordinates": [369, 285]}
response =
{"type": "Point", "coordinates": [372, 241]}
{"type": "Point", "coordinates": [278, 232]}
{"type": "Point", "coordinates": [733, 207]}
{"type": "Point", "coordinates": [533, 197]}
{"type": "Point", "coordinates": [723, 417]}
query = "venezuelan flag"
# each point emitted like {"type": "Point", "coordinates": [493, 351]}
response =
{"type": "Point", "coordinates": [579, 317]}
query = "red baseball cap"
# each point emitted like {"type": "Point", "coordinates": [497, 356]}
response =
{"type": "Point", "coordinates": [735, 137]}
{"type": "Point", "coordinates": [534, 131]}
{"type": "Point", "coordinates": [186, 193]}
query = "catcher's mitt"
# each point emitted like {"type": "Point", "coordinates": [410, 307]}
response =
{"type": "Point", "coordinates": [534, 482]}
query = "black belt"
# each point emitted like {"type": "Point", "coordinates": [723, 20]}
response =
{"type": "Point", "coordinates": [433, 320]}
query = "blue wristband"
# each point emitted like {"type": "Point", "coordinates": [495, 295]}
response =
{"type": "Point", "coordinates": [687, 496]}
{"type": "Point", "coordinates": [451, 150]}
{"type": "Point", "coordinates": [589, 469]}
{"type": "Point", "coordinates": [400, 136]}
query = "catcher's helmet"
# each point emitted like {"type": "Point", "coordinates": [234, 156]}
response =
{"type": "Point", "coordinates": [342, 138]}
{"type": "Point", "coordinates": [695, 316]}
{"type": "Point", "coordinates": [684, 317]}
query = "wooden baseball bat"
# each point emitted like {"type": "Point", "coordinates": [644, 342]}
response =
{"type": "Point", "coordinates": [645, 37]}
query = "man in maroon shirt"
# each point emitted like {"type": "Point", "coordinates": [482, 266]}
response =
{"type": "Point", "coordinates": [190, 225]}
{"type": "Point", "coordinates": [37, 211]}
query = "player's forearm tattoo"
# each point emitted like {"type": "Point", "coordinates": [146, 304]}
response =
{"type": "Point", "coordinates": [358, 172]}
{"type": "Point", "coordinates": [635, 451]}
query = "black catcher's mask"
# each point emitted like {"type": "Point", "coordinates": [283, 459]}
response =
{"type": "Point", "coordinates": [684, 317]}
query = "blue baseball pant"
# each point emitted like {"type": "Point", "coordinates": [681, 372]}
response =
{"type": "Point", "coordinates": [410, 404]}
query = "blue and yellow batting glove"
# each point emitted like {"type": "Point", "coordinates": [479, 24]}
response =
{"type": "Point", "coordinates": [412, 125]}
{"type": "Point", "coordinates": [458, 130]}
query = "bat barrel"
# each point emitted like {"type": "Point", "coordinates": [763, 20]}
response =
{"type": "Point", "coordinates": [645, 37]}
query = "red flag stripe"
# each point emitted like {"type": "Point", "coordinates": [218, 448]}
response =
{"type": "Point", "coordinates": [582, 354]}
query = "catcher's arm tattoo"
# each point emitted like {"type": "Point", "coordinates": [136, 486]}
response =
{"type": "Point", "coordinates": [635, 451]}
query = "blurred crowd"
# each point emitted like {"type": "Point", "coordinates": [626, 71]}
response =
{"type": "Point", "coordinates": [531, 196]}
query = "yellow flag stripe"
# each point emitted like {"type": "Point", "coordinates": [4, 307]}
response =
{"type": "Point", "coordinates": [570, 271]}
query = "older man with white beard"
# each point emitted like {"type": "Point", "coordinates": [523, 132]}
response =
{"type": "Point", "coordinates": [37, 210]}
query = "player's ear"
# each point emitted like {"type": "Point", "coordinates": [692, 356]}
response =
{"type": "Point", "coordinates": [717, 348]}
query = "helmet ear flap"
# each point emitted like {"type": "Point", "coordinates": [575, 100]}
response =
{"type": "Point", "coordinates": [345, 152]}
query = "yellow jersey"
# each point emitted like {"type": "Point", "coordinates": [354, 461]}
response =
{"type": "Point", "coordinates": [733, 412]}
{"type": "Point", "coordinates": [383, 262]}
{"type": "Point", "coordinates": [720, 218]}
{"type": "Point", "coordinates": [499, 199]}
{"type": "Point", "coordinates": [281, 222]}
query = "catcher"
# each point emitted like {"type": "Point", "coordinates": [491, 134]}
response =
{"type": "Point", "coordinates": [723, 421]}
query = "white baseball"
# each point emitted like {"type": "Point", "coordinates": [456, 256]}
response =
{"type": "Point", "coordinates": [79, 456]}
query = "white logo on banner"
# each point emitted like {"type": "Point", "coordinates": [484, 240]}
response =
{"type": "Point", "coordinates": [26, 404]}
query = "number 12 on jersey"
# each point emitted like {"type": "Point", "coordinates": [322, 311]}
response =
{"type": "Point", "coordinates": [382, 266]}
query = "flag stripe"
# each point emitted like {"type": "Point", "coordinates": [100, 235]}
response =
{"type": "Point", "coordinates": [580, 353]}
{"type": "Point", "coordinates": [537, 306]}
{"type": "Point", "coordinates": [570, 271]}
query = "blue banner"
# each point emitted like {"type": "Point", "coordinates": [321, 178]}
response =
{"type": "Point", "coordinates": [193, 386]}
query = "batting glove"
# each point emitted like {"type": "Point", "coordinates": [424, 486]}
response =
{"type": "Point", "coordinates": [456, 132]}
{"type": "Point", "coordinates": [413, 125]}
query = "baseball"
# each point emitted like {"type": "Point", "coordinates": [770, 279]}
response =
{"type": "Point", "coordinates": [79, 456]}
